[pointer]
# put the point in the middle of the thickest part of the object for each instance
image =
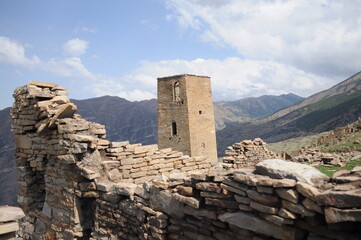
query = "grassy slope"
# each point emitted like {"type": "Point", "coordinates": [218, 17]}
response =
{"type": "Point", "coordinates": [350, 142]}
{"type": "Point", "coordinates": [294, 144]}
{"type": "Point", "coordinates": [330, 170]}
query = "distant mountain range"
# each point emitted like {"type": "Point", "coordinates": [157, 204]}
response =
{"type": "Point", "coordinates": [251, 108]}
{"type": "Point", "coordinates": [326, 110]}
{"type": "Point", "coordinates": [273, 118]}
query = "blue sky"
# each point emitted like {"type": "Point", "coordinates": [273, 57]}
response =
{"type": "Point", "coordinates": [248, 48]}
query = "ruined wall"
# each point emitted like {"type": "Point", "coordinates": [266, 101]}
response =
{"type": "Point", "coordinates": [247, 153]}
{"type": "Point", "coordinates": [336, 135]}
{"type": "Point", "coordinates": [74, 184]}
{"type": "Point", "coordinates": [61, 156]}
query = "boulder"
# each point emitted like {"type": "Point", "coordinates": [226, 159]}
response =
{"type": "Point", "coordinates": [277, 168]}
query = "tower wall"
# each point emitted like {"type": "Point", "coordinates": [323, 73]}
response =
{"type": "Point", "coordinates": [185, 103]}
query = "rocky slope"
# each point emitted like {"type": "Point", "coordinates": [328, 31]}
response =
{"type": "Point", "coordinates": [247, 109]}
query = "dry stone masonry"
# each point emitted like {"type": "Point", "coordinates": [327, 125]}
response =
{"type": "Point", "coordinates": [247, 153]}
{"type": "Point", "coordinates": [75, 184]}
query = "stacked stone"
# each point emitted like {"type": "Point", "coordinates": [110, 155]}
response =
{"type": "Point", "coordinates": [76, 184]}
{"type": "Point", "coordinates": [242, 205]}
{"type": "Point", "coordinates": [315, 157]}
{"type": "Point", "coordinates": [135, 163]}
{"type": "Point", "coordinates": [54, 153]}
{"type": "Point", "coordinates": [247, 153]}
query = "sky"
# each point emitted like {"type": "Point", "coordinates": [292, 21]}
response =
{"type": "Point", "coordinates": [249, 48]}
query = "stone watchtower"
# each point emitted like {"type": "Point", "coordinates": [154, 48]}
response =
{"type": "Point", "coordinates": [185, 115]}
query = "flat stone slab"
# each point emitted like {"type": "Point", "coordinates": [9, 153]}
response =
{"type": "Point", "coordinates": [8, 213]}
{"type": "Point", "coordinates": [340, 199]}
{"type": "Point", "coordinates": [277, 168]}
{"type": "Point", "coordinates": [255, 224]}
{"type": "Point", "coordinates": [334, 215]}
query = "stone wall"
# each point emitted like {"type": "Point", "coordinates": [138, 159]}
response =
{"type": "Point", "coordinates": [75, 184]}
{"type": "Point", "coordinates": [247, 153]}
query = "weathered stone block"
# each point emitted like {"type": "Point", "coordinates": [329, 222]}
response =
{"type": "Point", "coordinates": [255, 224]}
{"type": "Point", "coordinates": [221, 203]}
{"type": "Point", "coordinates": [211, 214]}
{"type": "Point", "coordinates": [209, 187]}
{"type": "Point", "coordinates": [286, 214]}
{"type": "Point", "coordinates": [307, 190]}
{"type": "Point", "coordinates": [277, 168]}
{"type": "Point", "coordinates": [233, 189]}
{"type": "Point", "coordinates": [312, 206]}
{"type": "Point", "coordinates": [297, 208]}
{"type": "Point", "coordinates": [288, 194]}
{"type": "Point", "coordinates": [126, 189]}
{"type": "Point", "coordinates": [340, 199]}
{"type": "Point", "coordinates": [264, 199]}
{"type": "Point", "coordinates": [190, 201]}
{"type": "Point", "coordinates": [263, 208]}
{"type": "Point", "coordinates": [277, 219]}
{"type": "Point", "coordinates": [334, 215]}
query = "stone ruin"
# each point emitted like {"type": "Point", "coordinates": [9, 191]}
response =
{"type": "Point", "coordinates": [313, 155]}
{"type": "Point", "coordinates": [247, 153]}
{"type": "Point", "coordinates": [75, 184]}
{"type": "Point", "coordinates": [337, 134]}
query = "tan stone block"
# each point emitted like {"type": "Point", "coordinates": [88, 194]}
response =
{"type": "Point", "coordinates": [307, 190]}
{"type": "Point", "coordinates": [139, 165]}
{"type": "Point", "coordinates": [153, 162]}
{"type": "Point", "coordinates": [163, 170]}
{"type": "Point", "coordinates": [286, 214]}
{"type": "Point", "coordinates": [43, 84]}
{"type": "Point", "coordinates": [221, 203]}
{"type": "Point", "coordinates": [297, 208]}
{"type": "Point", "coordinates": [288, 194]}
{"type": "Point", "coordinates": [312, 206]}
{"type": "Point", "coordinates": [233, 189]}
{"type": "Point", "coordinates": [138, 174]}
{"type": "Point", "coordinates": [263, 208]}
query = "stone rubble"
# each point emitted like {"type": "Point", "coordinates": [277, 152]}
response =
{"type": "Point", "coordinates": [75, 184]}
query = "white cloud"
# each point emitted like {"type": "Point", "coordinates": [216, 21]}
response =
{"type": "Point", "coordinates": [85, 29]}
{"type": "Point", "coordinates": [234, 78]}
{"type": "Point", "coordinates": [323, 37]}
{"type": "Point", "coordinates": [68, 67]}
{"type": "Point", "coordinates": [113, 87]}
{"type": "Point", "coordinates": [14, 53]}
{"type": "Point", "coordinates": [149, 24]}
{"type": "Point", "coordinates": [75, 47]}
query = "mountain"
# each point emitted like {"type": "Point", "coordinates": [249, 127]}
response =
{"type": "Point", "coordinates": [8, 172]}
{"type": "Point", "coordinates": [124, 120]}
{"type": "Point", "coordinates": [251, 108]}
{"type": "Point", "coordinates": [335, 107]}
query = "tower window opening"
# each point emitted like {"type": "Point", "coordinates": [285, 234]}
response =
{"type": "Point", "coordinates": [174, 128]}
{"type": "Point", "coordinates": [176, 92]}
{"type": "Point", "coordinates": [200, 112]}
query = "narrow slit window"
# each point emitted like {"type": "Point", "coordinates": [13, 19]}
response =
{"type": "Point", "coordinates": [176, 92]}
{"type": "Point", "coordinates": [174, 128]}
